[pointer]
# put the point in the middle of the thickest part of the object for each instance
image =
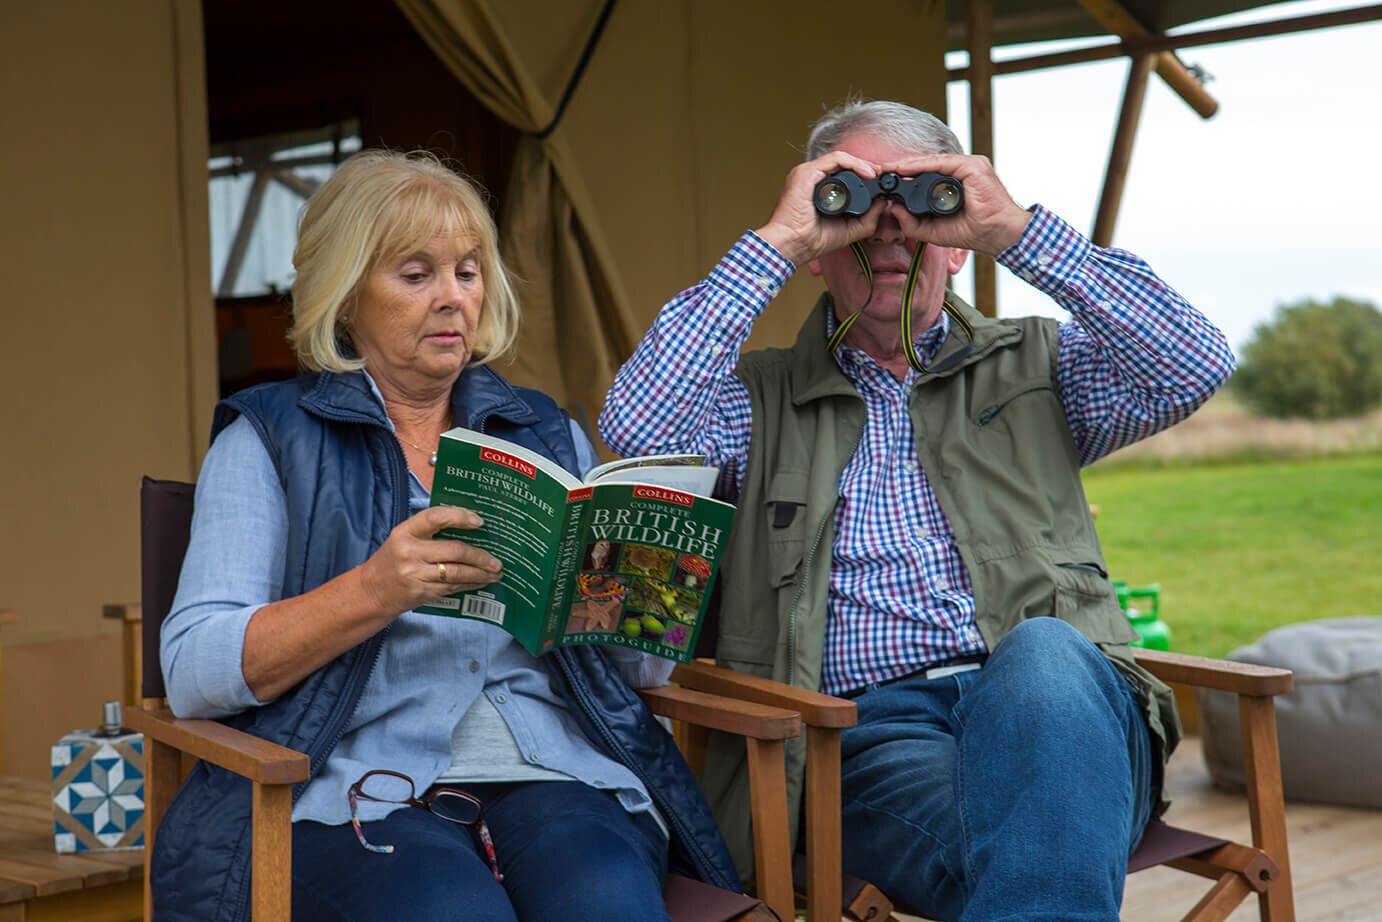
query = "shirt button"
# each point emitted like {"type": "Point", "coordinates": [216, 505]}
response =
{"type": "Point", "coordinates": [716, 349]}
{"type": "Point", "coordinates": [474, 665]}
{"type": "Point", "coordinates": [909, 466]}
{"type": "Point", "coordinates": [598, 783]}
{"type": "Point", "coordinates": [1028, 275]}
{"type": "Point", "coordinates": [1044, 259]}
{"type": "Point", "coordinates": [1105, 305]}
{"type": "Point", "coordinates": [532, 756]}
{"type": "Point", "coordinates": [765, 283]}
{"type": "Point", "coordinates": [501, 697]}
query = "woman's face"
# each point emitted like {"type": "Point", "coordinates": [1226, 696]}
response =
{"type": "Point", "coordinates": [415, 320]}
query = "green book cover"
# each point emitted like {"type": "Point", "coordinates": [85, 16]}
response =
{"type": "Point", "coordinates": [625, 557]}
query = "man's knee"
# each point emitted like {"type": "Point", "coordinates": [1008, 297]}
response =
{"type": "Point", "coordinates": [1046, 662]}
{"type": "Point", "coordinates": [1044, 633]}
{"type": "Point", "coordinates": [1047, 645]}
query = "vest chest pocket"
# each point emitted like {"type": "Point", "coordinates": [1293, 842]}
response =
{"type": "Point", "coordinates": [784, 509]}
{"type": "Point", "coordinates": [1012, 404]}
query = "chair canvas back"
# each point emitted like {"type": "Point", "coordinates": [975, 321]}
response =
{"type": "Point", "coordinates": [165, 525]}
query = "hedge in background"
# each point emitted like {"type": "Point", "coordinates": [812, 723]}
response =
{"type": "Point", "coordinates": [1313, 360]}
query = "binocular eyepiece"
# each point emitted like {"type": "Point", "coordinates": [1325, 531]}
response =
{"type": "Point", "coordinates": [847, 193]}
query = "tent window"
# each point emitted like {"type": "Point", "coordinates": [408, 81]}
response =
{"type": "Point", "coordinates": [257, 187]}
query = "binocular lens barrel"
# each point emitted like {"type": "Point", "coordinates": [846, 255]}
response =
{"type": "Point", "coordinates": [831, 197]}
{"type": "Point", "coordinates": [945, 197]}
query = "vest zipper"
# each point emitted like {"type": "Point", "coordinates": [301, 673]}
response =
{"type": "Point", "coordinates": [801, 588]}
{"type": "Point", "coordinates": [356, 681]}
{"type": "Point", "coordinates": [355, 686]}
{"type": "Point", "coordinates": [808, 560]}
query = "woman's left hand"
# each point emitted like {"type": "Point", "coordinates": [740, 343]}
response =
{"type": "Point", "coordinates": [413, 566]}
{"type": "Point", "coordinates": [288, 640]}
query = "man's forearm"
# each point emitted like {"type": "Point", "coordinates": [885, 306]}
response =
{"type": "Point", "coordinates": [1138, 358]}
{"type": "Point", "coordinates": [678, 391]}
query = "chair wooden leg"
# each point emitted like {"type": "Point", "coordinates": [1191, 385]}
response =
{"type": "Point", "coordinates": [1220, 901]}
{"type": "Point", "coordinates": [771, 845]}
{"type": "Point", "coordinates": [162, 777]}
{"type": "Point", "coordinates": [693, 742]}
{"type": "Point", "coordinates": [824, 887]}
{"type": "Point", "coordinates": [1266, 803]}
{"type": "Point", "coordinates": [272, 870]}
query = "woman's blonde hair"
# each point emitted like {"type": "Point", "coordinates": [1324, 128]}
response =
{"type": "Point", "coordinates": [383, 205]}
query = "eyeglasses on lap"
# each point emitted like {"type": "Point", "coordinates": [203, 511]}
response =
{"type": "Point", "coordinates": [451, 804]}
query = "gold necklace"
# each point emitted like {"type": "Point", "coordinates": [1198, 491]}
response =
{"type": "Point", "coordinates": [431, 455]}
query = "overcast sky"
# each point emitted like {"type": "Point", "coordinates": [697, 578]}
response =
{"type": "Point", "coordinates": [1276, 198]}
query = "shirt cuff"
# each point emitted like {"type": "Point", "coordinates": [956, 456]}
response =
{"type": "Point", "coordinates": [1049, 254]}
{"type": "Point", "coordinates": [752, 272]}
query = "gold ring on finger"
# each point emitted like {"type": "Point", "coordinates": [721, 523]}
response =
{"type": "Point", "coordinates": [441, 572]}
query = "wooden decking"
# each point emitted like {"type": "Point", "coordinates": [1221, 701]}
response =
{"type": "Point", "coordinates": [39, 885]}
{"type": "Point", "coordinates": [1336, 853]}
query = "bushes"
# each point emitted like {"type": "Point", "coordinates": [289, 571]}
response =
{"type": "Point", "coordinates": [1313, 360]}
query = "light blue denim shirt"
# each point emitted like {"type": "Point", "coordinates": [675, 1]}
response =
{"type": "Point", "coordinates": [431, 669]}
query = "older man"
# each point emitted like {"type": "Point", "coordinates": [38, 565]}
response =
{"type": "Point", "coordinates": [912, 531]}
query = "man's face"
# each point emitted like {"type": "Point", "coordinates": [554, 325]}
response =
{"type": "Point", "coordinates": [890, 255]}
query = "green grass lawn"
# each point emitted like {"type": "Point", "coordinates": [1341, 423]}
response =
{"type": "Point", "coordinates": [1242, 548]}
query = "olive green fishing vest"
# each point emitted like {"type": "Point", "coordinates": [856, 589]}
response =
{"type": "Point", "coordinates": [992, 437]}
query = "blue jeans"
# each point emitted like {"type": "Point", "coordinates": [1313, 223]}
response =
{"type": "Point", "coordinates": [1016, 791]}
{"type": "Point", "coordinates": [566, 850]}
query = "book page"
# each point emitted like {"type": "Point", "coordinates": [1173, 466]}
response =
{"type": "Point", "coordinates": [687, 473]}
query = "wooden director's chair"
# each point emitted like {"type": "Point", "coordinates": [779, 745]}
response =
{"type": "Point", "coordinates": [1237, 870]}
{"type": "Point", "coordinates": [166, 511]}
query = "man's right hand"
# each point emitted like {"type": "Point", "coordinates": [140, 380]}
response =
{"type": "Point", "coordinates": [798, 231]}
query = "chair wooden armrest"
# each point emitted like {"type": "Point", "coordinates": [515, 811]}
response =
{"type": "Point", "coordinates": [816, 709]}
{"type": "Point", "coordinates": [1217, 674]}
{"type": "Point", "coordinates": [764, 728]}
{"type": "Point", "coordinates": [249, 756]}
{"type": "Point", "coordinates": [824, 716]}
{"type": "Point", "coordinates": [272, 768]}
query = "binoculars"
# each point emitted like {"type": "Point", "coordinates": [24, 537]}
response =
{"type": "Point", "coordinates": [847, 193]}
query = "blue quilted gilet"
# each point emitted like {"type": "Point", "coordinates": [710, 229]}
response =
{"type": "Point", "coordinates": [345, 481]}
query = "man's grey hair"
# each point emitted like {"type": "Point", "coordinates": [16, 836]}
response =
{"type": "Point", "coordinates": [904, 126]}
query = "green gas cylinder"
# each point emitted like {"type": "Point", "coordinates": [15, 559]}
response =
{"type": "Point", "coordinates": [1142, 604]}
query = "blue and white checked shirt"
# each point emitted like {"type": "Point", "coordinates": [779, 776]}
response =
{"type": "Point", "coordinates": [1135, 359]}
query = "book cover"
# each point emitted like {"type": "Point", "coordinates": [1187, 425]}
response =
{"type": "Point", "coordinates": [626, 557]}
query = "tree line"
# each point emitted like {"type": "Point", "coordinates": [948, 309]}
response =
{"type": "Point", "coordinates": [1314, 360]}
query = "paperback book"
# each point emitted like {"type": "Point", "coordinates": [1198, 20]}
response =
{"type": "Point", "coordinates": [625, 556]}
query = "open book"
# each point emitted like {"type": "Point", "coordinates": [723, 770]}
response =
{"type": "Point", "coordinates": [625, 556]}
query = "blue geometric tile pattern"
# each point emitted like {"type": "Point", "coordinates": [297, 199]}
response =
{"type": "Point", "coordinates": [98, 791]}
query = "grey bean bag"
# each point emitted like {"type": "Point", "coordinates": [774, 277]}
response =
{"type": "Point", "coordinates": [1330, 727]}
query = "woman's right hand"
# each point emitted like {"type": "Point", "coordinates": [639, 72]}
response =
{"type": "Point", "coordinates": [413, 567]}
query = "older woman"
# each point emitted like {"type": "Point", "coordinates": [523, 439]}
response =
{"type": "Point", "coordinates": [311, 544]}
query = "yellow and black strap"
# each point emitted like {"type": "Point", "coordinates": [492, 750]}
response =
{"type": "Point", "coordinates": [913, 271]}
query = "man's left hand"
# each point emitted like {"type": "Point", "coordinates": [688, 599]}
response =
{"type": "Point", "coordinates": [990, 220]}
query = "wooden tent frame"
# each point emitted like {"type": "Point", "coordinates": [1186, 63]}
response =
{"type": "Point", "coordinates": [1149, 51]}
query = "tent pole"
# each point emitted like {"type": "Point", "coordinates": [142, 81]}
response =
{"type": "Point", "coordinates": [1120, 155]}
{"type": "Point", "coordinates": [980, 39]}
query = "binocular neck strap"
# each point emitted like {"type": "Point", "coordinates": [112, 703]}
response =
{"type": "Point", "coordinates": [913, 271]}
